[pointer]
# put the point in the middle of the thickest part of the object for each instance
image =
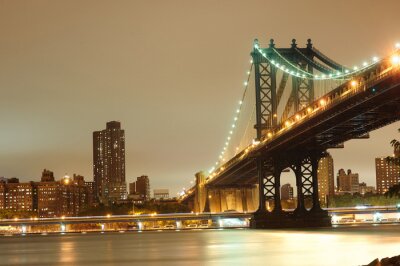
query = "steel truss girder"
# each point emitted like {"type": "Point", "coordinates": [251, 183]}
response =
{"type": "Point", "coordinates": [305, 167]}
{"type": "Point", "coordinates": [302, 92]}
{"type": "Point", "coordinates": [303, 89]}
{"type": "Point", "coordinates": [269, 184]}
{"type": "Point", "coordinates": [265, 84]}
{"type": "Point", "coordinates": [306, 171]}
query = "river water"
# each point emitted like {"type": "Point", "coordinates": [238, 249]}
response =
{"type": "Point", "coordinates": [335, 246]}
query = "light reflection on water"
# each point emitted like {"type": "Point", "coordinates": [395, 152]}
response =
{"type": "Point", "coordinates": [340, 246]}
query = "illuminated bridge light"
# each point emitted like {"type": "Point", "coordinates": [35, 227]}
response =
{"type": "Point", "coordinates": [353, 83]}
{"type": "Point", "coordinates": [365, 64]}
{"type": "Point", "coordinates": [322, 102]}
{"type": "Point", "coordinates": [397, 45]}
{"type": "Point", "coordinates": [309, 109]}
{"type": "Point", "coordinates": [269, 134]}
{"type": "Point", "coordinates": [375, 59]}
{"type": "Point", "coordinates": [287, 123]}
{"type": "Point", "coordinates": [298, 117]}
{"type": "Point", "coordinates": [395, 60]}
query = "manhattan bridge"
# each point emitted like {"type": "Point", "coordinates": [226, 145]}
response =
{"type": "Point", "coordinates": [297, 103]}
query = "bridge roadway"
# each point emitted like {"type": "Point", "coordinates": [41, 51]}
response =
{"type": "Point", "coordinates": [348, 112]}
{"type": "Point", "coordinates": [177, 217]}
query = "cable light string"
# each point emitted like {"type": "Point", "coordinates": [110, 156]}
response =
{"type": "Point", "coordinates": [294, 70]}
{"type": "Point", "coordinates": [235, 119]}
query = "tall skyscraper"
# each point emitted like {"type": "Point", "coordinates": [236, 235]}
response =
{"type": "Point", "coordinates": [109, 163]}
{"type": "Point", "coordinates": [387, 173]}
{"type": "Point", "coordinates": [326, 183]}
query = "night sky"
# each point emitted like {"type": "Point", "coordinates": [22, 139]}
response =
{"type": "Point", "coordinates": [170, 71]}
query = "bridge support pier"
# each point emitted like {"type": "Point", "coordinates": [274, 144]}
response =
{"type": "Point", "coordinates": [240, 199]}
{"type": "Point", "coordinates": [305, 167]}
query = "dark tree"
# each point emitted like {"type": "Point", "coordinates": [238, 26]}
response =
{"type": "Point", "coordinates": [394, 191]}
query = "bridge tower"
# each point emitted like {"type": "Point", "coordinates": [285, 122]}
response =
{"type": "Point", "coordinates": [304, 163]}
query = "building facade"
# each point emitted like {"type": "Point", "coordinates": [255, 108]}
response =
{"type": "Point", "coordinates": [326, 176]}
{"type": "Point", "coordinates": [286, 192]}
{"type": "Point", "coordinates": [16, 196]}
{"type": "Point", "coordinates": [364, 189]}
{"type": "Point", "coordinates": [142, 187]}
{"type": "Point", "coordinates": [161, 194]}
{"type": "Point", "coordinates": [387, 173]}
{"type": "Point", "coordinates": [347, 182]}
{"type": "Point", "coordinates": [109, 163]}
{"type": "Point", "coordinates": [47, 198]}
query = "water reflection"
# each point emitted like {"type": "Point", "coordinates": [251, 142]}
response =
{"type": "Point", "coordinates": [339, 246]}
{"type": "Point", "coordinates": [67, 252]}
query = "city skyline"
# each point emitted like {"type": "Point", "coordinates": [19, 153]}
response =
{"type": "Point", "coordinates": [45, 91]}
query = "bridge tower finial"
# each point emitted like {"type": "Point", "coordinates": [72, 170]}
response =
{"type": "Point", "coordinates": [271, 43]}
{"type": "Point", "coordinates": [255, 42]}
{"type": "Point", "coordinates": [294, 44]}
{"type": "Point", "coordinates": [309, 44]}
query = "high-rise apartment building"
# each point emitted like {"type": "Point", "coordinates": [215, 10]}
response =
{"type": "Point", "coordinates": [348, 183]}
{"type": "Point", "coordinates": [326, 183]}
{"type": "Point", "coordinates": [109, 163]}
{"type": "Point", "coordinates": [286, 192]}
{"type": "Point", "coordinates": [142, 187]}
{"type": "Point", "coordinates": [387, 173]}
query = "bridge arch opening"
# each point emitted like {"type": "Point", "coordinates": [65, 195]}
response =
{"type": "Point", "coordinates": [288, 190]}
